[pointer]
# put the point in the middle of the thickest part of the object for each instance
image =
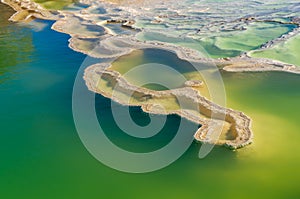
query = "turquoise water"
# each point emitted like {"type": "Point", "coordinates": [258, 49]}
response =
{"type": "Point", "coordinates": [43, 157]}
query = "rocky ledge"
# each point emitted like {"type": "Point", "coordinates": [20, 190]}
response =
{"type": "Point", "coordinates": [214, 119]}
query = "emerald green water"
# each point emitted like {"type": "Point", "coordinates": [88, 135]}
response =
{"type": "Point", "coordinates": [54, 4]}
{"type": "Point", "coordinates": [283, 52]}
{"type": "Point", "coordinates": [230, 44]}
{"type": "Point", "coordinates": [43, 157]}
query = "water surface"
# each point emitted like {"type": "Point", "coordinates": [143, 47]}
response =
{"type": "Point", "coordinates": [43, 157]}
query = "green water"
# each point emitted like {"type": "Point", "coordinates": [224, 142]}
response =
{"type": "Point", "coordinates": [284, 51]}
{"type": "Point", "coordinates": [228, 44]}
{"type": "Point", "coordinates": [55, 4]}
{"type": "Point", "coordinates": [140, 66]}
{"type": "Point", "coordinates": [207, 48]}
{"type": "Point", "coordinates": [43, 157]}
{"type": "Point", "coordinates": [252, 38]}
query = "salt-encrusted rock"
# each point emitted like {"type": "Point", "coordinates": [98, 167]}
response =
{"type": "Point", "coordinates": [194, 83]}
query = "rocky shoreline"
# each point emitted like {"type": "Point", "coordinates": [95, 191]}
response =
{"type": "Point", "coordinates": [212, 123]}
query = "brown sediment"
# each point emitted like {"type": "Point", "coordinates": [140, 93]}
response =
{"type": "Point", "coordinates": [27, 10]}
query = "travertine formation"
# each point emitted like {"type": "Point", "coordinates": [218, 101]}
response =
{"type": "Point", "coordinates": [213, 118]}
